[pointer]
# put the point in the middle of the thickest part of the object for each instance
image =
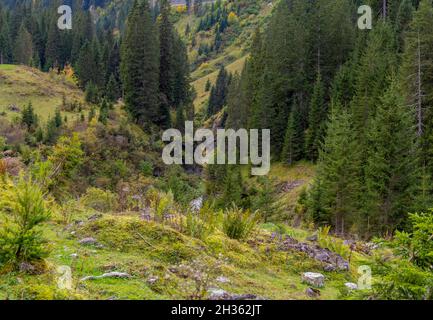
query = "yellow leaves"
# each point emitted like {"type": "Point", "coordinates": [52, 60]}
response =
{"type": "Point", "coordinates": [232, 18]}
{"type": "Point", "coordinates": [181, 8]}
{"type": "Point", "coordinates": [69, 74]}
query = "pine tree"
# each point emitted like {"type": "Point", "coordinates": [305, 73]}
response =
{"type": "Point", "coordinates": [317, 118]}
{"type": "Point", "coordinates": [53, 54]}
{"type": "Point", "coordinates": [293, 147]}
{"type": "Point", "coordinates": [112, 89]}
{"type": "Point", "coordinates": [232, 188]}
{"type": "Point", "coordinates": [417, 78]}
{"type": "Point", "coordinates": [88, 66]}
{"type": "Point", "coordinates": [218, 93]}
{"type": "Point", "coordinates": [333, 197]}
{"type": "Point", "coordinates": [167, 53]}
{"type": "Point", "coordinates": [391, 168]}
{"type": "Point", "coordinates": [29, 117]}
{"type": "Point", "coordinates": [5, 40]}
{"type": "Point", "coordinates": [376, 65]}
{"type": "Point", "coordinates": [58, 118]}
{"type": "Point", "coordinates": [207, 86]}
{"type": "Point", "coordinates": [140, 67]}
{"type": "Point", "coordinates": [23, 52]}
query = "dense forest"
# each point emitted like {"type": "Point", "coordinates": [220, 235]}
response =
{"type": "Point", "coordinates": [350, 113]}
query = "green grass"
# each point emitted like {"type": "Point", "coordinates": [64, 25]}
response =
{"type": "Point", "coordinates": [20, 85]}
{"type": "Point", "coordinates": [145, 249]}
{"type": "Point", "coordinates": [200, 84]}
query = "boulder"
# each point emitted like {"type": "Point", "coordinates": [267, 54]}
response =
{"type": "Point", "coordinates": [114, 274]}
{"type": "Point", "coordinates": [351, 286]}
{"type": "Point", "coordinates": [314, 279]}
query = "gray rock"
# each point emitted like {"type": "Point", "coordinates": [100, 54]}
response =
{"type": "Point", "coordinates": [114, 274]}
{"type": "Point", "coordinates": [95, 216]}
{"type": "Point", "coordinates": [313, 238]}
{"type": "Point", "coordinates": [89, 241]}
{"type": "Point", "coordinates": [219, 294]}
{"type": "Point", "coordinates": [351, 286]}
{"type": "Point", "coordinates": [152, 280]}
{"type": "Point", "coordinates": [222, 279]}
{"type": "Point", "coordinates": [74, 255]}
{"type": "Point", "coordinates": [196, 204]}
{"type": "Point", "coordinates": [312, 293]}
{"type": "Point", "coordinates": [314, 279]}
{"type": "Point", "coordinates": [27, 267]}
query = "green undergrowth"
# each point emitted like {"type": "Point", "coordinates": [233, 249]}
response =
{"type": "Point", "coordinates": [151, 252]}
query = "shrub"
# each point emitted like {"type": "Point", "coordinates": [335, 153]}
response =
{"type": "Point", "coordinates": [238, 224]}
{"type": "Point", "coordinates": [146, 168]}
{"type": "Point", "coordinates": [201, 224]}
{"type": "Point", "coordinates": [23, 209]}
{"type": "Point", "coordinates": [405, 282]}
{"type": "Point", "coordinates": [334, 244]}
{"type": "Point", "coordinates": [161, 203]}
{"type": "Point", "coordinates": [417, 246]}
{"type": "Point", "coordinates": [101, 200]}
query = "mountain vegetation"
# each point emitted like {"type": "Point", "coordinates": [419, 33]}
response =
{"type": "Point", "coordinates": [88, 209]}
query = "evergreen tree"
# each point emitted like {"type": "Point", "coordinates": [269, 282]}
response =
{"type": "Point", "coordinates": [112, 89]}
{"type": "Point", "coordinates": [417, 78]}
{"type": "Point", "coordinates": [5, 40]}
{"type": "Point", "coordinates": [53, 50]}
{"type": "Point", "coordinates": [316, 120]}
{"type": "Point", "coordinates": [218, 93]}
{"type": "Point", "coordinates": [293, 148]}
{"type": "Point", "coordinates": [88, 66]}
{"type": "Point", "coordinates": [28, 117]}
{"type": "Point", "coordinates": [58, 118]}
{"type": "Point", "coordinates": [207, 86]}
{"type": "Point", "coordinates": [333, 197]}
{"type": "Point", "coordinates": [23, 52]}
{"type": "Point", "coordinates": [140, 67]}
{"type": "Point", "coordinates": [391, 168]}
{"type": "Point", "coordinates": [166, 66]}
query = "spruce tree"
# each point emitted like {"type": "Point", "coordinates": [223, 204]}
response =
{"type": "Point", "coordinates": [317, 118]}
{"type": "Point", "coordinates": [23, 51]}
{"type": "Point", "coordinates": [417, 78]}
{"type": "Point", "coordinates": [333, 197]}
{"type": "Point", "coordinates": [391, 167]}
{"type": "Point", "coordinates": [293, 147]}
{"type": "Point", "coordinates": [140, 67]}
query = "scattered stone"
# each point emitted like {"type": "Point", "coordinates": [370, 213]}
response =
{"type": "Point", "coordinates": [146, 214]}
{"type": "Point", "coordinates": [312, 293]}
{"type": "Point", "coordinates": [219, 294]}
{"type": "Point", "coordinates": [8, 153]}
{"type": "Point", "coordinates": [314, 279]}
{"type": "Point", "coordinates": [88, 241]}
{"type": "Point", "coordinates": [196, 204]}
{"type": "Point", "coordinates": [115, 274]}
{"type": "Point", "coordinates": [152, 280]}
{"type": "Point", "coordinates": [74, 255]}
{"type": "Point", "coordinates": [27, 267]}
{"type": "Point", "coordinates": [14, 108]}
{"type": "Point", "coordinates": [331, 260]}
{"type": "Point", "coordinates": [222, 279]}
{"type": "Point", "coordinates": [351, 286]}
{"type": "Point", "coordinates": [95, 216]}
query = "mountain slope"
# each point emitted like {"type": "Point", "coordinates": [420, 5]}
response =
{"type": "Point", "coordinates": [20, 85]}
